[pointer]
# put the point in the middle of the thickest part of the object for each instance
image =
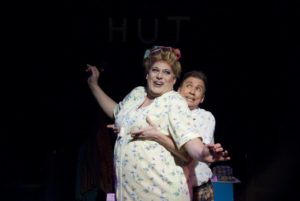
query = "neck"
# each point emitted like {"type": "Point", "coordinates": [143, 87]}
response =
{"type": "Point", "coordinates": [151, 95]}
{"type": "Point", "coordinates": [192, 108]}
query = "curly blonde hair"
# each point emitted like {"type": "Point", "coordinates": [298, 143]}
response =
{"type": "Point", "coordinates": [166, 55]}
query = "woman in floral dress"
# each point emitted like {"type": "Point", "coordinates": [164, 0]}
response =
{"type": "Point", "coordinates": [145, 170]}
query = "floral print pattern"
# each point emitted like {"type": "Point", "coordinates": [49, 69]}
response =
{"type": "Point", "coordinates": [145, 170]}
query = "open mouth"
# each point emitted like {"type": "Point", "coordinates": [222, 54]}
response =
{"type": "Point", "coordinates": [158, 83]}
{"type": "Point", "coordinates": [189, 98]}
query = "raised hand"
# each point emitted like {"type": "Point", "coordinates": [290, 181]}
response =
{"type": "Point", "coordinates": [94, 74]}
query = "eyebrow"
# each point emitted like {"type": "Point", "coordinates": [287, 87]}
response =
{"type": "Point", "coordinates": [163, 69]}
{"type": "Point", "coordinates": [198, 85]}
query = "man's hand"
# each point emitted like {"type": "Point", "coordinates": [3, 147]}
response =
{"type": "Point", "coordinates": [217, 153]}
{"type": "Point", "coordinates": [114, 128]}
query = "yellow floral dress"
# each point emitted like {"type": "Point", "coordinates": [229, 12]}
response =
{"type": "Point", "coordinates": [145, 170]}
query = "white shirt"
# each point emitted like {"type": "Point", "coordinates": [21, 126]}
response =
{"type": "Point", "coordinates": [200, 172]}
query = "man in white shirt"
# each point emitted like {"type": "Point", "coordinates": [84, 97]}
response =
{"type": "Point", "coordinates": [192, 88]}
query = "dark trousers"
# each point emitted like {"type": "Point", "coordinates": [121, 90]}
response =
{"type": "Point", "coordinates": [204, 192]}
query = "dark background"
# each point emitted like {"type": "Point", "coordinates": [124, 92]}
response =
{"type": "Point", "coordinates": [243, 47]}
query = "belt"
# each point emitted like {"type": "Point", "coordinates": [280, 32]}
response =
{"type": "Point", "coordinates": [204, 185]}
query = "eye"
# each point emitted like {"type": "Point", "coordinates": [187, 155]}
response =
{"type": "Point", "coordinates": [167, 72]}
{"type": "Point", "coordinates": [199, 89]}
{"type": "Point", "coordinates": [188, 86]}
{"type": "Point", "coordinates": [154, 70]}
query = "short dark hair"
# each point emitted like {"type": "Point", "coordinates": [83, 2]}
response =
{"type": "Point", "coordinates": [196, 74]}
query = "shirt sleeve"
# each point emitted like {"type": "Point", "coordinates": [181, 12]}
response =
{"type": "Point", "coordinates": [209, 128]}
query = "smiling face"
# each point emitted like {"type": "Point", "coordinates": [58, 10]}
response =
{"type": "Point", "coordinates": [160, 79]}
{"type": "Point", "coordinates": [192, 89]}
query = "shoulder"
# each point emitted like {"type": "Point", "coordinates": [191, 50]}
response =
{"type": "Point", "coordinates": [134, 94]}
{"type": "Point", "coordinates": [176, 100]}
{"type": "Point", "coordinates": [174, 96]}
{"type": "Point", "coordinates": [140, 90]}
{"type": "Point", "coordinates": [204, 113]}
{"type": "Point", "coordinates": [177, 103]}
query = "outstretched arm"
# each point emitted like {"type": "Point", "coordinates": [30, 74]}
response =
{"type": "Point", "coordinates": [195, 148]}
{"type": "Point", "coordinates": [207, 153]}
{"type": "Point", "coordinates": [105, 102]}
{"type": "Point", "coordinates": [152, 133]}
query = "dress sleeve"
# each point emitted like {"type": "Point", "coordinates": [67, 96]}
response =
{"type": "Point", "coordinates": [181, 122]}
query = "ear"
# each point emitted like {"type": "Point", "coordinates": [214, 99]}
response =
{"type": "Point", "coordinates": [147, 76]}
{"type": "Point", "coordinates": [179, 89]}
{"type": "Point", "coordinates": [174, 81]}
{"type": "Point", "coordinates": [202, 99]}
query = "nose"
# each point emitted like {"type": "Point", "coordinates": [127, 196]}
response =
{"type": "Point", "coordinates": [159, 75]}
{"type": "Point", "coordinates": [192, 91]}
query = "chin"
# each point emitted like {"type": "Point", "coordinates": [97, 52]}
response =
{"type": "Point", "coordinates": [190, 103]}
{"type": "Point", "coordinates": [157, 91]}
